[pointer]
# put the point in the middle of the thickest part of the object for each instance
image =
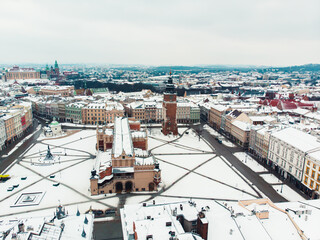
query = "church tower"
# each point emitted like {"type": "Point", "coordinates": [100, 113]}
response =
{"type": "Point", "coordinates": [169, 106]}
{"type": "Point", "coordinates": [56, 68]}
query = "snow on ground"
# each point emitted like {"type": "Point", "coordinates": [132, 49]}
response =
{"type": "Point", "coordinates": [38, 148]}
{"type": "Point", "coordinates": [86, 137]}
{"type": "Point", "coordinates": [65, 162]}
{"type": "Point", "coordinates": [42, 136]}
{"type": "Point", "coordinates": [109, 201]}
{"type": "Point", "coordinates": [188, 143]}
{"type": "Point", "coordinates": [211, 131]}
{"type": "Point", "coordinates": [270, 178]}
{"type": "Point", "coordinates": [134, 199]}
{"type": "Point", "coordinates": [227, 143]}
{"type": "Point", "coordinates": [194, 185]}
{"type": "Point", "coordinates": [152, 143]}
{"type": "Point", "coordinates": [73, 173]}
{"type": "Point", "coordinates": [288, 193]}
{"type": "Point", "coordinates": [83, 169]}
{"type": "Point", "coordinates": [172, 148]}
{"type": "Point", "coordinates": [53, 196]}
{"type": "Point", "coordinates": [156, 132]}
{"type": "Point", "coordinates": [186, 161]}
{"type": "Point", "coordinates": [250, 162]}
{"type": "Point", "coordinates": [16, 172]}
{"type": "Point", "coordinates": [170, 173]}
{"type": "Point", "coordinates": [191, 139]}
{"type": "Point", "coordinates": [214, 133]}
{"type": "Point", "coordinates": [219, 170]}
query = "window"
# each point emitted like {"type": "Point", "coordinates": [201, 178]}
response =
{"type": "Point", "coordinates": [313, 174]}
{"type": "Point", "coordinates": [305, 180]}
{"type": "Point", "coordinates": [308, 163]}
{"type": "Point", "coordinates": [307, 171]}
{"type": "Point", "coordinates": [314, 166]}
{"type": "Point", "coordinates": [311, 183]}
{"type": "Point", "coordinates": [290, 169]}
{"type": "Point", "coordinates": [318, 177]}
{"type": "Point", "coordinates": [291, 157]}
{"type": "Point", "coordinates": [317, 187]}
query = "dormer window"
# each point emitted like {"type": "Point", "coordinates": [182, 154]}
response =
{"type": "Point", "coordinates": [123, 157]}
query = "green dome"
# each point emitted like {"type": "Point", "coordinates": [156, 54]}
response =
{"type": "Point", "coordinates": [54, 123]}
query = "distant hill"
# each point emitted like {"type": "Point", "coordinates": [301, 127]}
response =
{"type": "Point", "coordinates": [306, 67]}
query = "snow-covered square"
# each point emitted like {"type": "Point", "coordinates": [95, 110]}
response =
{"type": "Point", "coordinates": [190, 168]}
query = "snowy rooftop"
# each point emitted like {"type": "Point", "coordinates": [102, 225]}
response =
{"type": "Point", "coordinates": [315, 155]}
{"type": "Point", "coordinates": [144, 160]}
{"type": "Point", "coordinates": [139, 134]}
{"type": "Point", "coordinates": [96, 106]}
{"type": "Point", "coordinates": [114, 105]}
{"type": "Point", "coordinates": [231, 220]}
{"type": "Point", "coordinates": [241, 125]}
{"type": "Point", "coordinates": [40, 228]}
{"type": "Point", "coordinates": [220, 108]}
{"type": "Point", "coordinates": [103, 160]}
{"type": "Point", "coordinates": [122, 137]}
{"type": "Point", "coordinates": [298, 139]}
{"type": "Point", "coordinates": [153, 220]}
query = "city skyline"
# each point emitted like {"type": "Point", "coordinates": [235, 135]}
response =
{"type": "Point", "coordinates": [273, 33]}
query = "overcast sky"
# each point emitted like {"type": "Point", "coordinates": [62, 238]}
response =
{"type": "Point", "coordinates": [160, 32]}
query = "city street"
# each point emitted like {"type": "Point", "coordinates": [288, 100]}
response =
{"type": "Point", "coordinates": [227, 153]}
{"type": "Point", "coordinates": [6, 160]}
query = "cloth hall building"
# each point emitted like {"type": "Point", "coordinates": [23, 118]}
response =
{"type": "Point", "coordinates": [123, 162]}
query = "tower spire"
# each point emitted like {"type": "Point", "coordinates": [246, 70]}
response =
{"type": "Point", "coordinates": [56, 64]}
{"type": "Point", "coordinates": [170, 86]}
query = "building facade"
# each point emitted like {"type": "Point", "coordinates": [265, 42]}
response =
{"type": "Point", "coordinates": [17, 73]}
{"type": "Point", "coordinates": [74, 112]}
{"type": "Point", "coordinates": [113, 110]}
{"type": "Point", "coordinates": [3, 135]}
{"type": "Point", "coordinates": [10, 130]}
{"type": "Point", "coordinates": [123, 165]}
{"type": "Point", "coordinates": [215, 115]}
{"type": "Point", "coordinates": [311, 174]}
{"type": "Point", "coordinates": [287, 152]}
{"type": "Point", "coordinates": [94, 113]}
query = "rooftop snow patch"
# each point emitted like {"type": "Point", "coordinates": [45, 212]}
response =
{"type": "Point", "coordinates": [298, 139]}
{"type": "Point", "coordinates": [122, 138]}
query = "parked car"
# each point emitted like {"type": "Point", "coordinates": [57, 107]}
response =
{"type": "Point", "coordinates": [218, 139]}
{"type": "Point", "coordinates": [111, 211]}
{"type": "Point", "coordinates": [97, 213]}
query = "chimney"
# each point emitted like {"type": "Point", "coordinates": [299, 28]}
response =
{"type": "Point", "coordinates": [202, 225]}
